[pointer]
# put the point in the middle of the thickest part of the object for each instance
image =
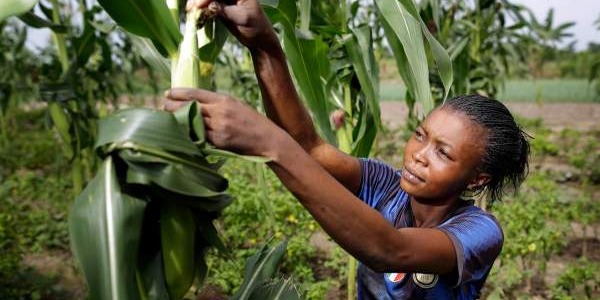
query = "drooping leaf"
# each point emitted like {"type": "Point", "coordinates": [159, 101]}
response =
{"type": "Point", "coordinates": [177, 232]}
{"type": "Point", "coordinates": [175, 176]}
{"type": "Point", "coordinates": [150, 270]}
{"type": "Point", "coordinates": [153, 128]}
{"type": "Point", "coordinates": [360, 50]}
{"type": "Point", "coordinates": [105, 225]}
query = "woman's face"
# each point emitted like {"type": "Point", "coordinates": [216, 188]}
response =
{"type": "Point", "coordinates": [442, 156]}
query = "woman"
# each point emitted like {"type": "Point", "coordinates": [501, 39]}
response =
{"type": "Point", "coordinates": [413, 235]}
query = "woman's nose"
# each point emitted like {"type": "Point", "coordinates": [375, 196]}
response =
{"type": "Point", "coordinates": [420, 156]}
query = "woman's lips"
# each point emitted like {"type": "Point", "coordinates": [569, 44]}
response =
{"type": "Point", "coordinates": [411, 177]}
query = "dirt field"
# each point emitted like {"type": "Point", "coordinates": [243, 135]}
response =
{"type": "Point", "coordinates": [582, 116]}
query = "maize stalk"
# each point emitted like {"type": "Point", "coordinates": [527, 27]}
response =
{"type": "Point", "coordinates": [187, 67]}
{"type": "Point", "coordinates": [158, 194]}
{"type": "Point", "coordinates": [177, 222]}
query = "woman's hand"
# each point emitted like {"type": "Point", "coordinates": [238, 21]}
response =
{"type": "Point", "coordinates": [246, 21]}
{"type": "Point", "coordinates": [230, 124]}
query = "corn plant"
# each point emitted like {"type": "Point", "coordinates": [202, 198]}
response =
{"type": "Point", "coordinates": [142, 226]}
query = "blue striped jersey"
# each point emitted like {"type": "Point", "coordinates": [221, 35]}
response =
{"type": "Point", "coordinates": [475, 234]}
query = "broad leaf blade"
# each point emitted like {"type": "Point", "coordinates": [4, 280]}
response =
{"type": "Point", "coordinates": [440, 55]}
{"type": "Point", "coordinates": [177, 232]}
{"type": "Point", "coordinates": [406, 30]}
{"type": "Point", "coordinates": [150, 54]}
{"type": "Point", "coordinates": [153, 128]}
{"type": "Point", "coordinates": [146, 18]}
{"type": "Point", "coordinates": [105, 229]}
{"type": "Point", "coordinates": [307, 57]}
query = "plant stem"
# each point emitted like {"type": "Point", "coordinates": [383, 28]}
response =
{"type": "Point", "coordinates": [345, 145]}
{"type": "Point", "coordinates": [305, 15]}
{"type": "Point", "coordinates": [77, 173]}
{"type": "Point", "coordinates": [59, 38]}
{"type": "Point", "coordinates": [57, 114]}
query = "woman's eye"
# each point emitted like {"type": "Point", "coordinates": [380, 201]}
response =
{"type": "Point", "coordinates": [418, 135]}
{"type": "Point", "coordinates": [444, 153]}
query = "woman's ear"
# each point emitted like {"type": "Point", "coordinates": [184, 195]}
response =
{"type": "Point", "coordinates": [478, 181]}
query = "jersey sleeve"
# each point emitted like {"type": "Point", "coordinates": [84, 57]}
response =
{"type": "Point", "coordinates": [477, 238]}
{"type": "Point", "coordinates": [379, 182]}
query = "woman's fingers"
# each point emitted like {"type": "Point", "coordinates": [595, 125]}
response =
{"type": "Point", "coordinates": [173, 105]}
{"type": "Point", "coordinates": [187, 94]}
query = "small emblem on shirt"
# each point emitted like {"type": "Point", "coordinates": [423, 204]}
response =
{"type": "Point", "coordinates": [395, 277]}
{"type": "Point", "coordinates": [425, 281]}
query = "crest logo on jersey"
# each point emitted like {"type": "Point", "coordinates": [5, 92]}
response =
{"type": "Point", "coordinates": [395, 277]}
{"type": "Point", "coordinates": [425, 281]}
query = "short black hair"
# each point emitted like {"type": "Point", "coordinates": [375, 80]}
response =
{"type": "Point", "coordinates": [506, 156]}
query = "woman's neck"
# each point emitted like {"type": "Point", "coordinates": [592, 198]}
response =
{"type": "Point", "coordinates": [428, 214]}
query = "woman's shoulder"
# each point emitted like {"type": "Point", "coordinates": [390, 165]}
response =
{"type": "Point", "coordinates": [473, 223]}
{"type": "Point", "coordinates": [470, 217]}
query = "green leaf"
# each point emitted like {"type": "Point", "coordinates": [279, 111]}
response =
{"type": "Point", "coordinates": [409, 49]}
{"type": "Point", "coordinates": [105, 228]}
{"type": "Point", "coordinates": [150, 270]}
{"type": "Point", "coordinates": [440, 55]}
{"type": "Point", "coordinates": [190, 120]}
{"type": "Point", "coordinates": [9, 8]}
{"type": "Point", "coordinates": [359, 47]}
{"type": "Point", "coordinates": [442, 60]}
{"type": "Point", "coordinates": [146, 18]}
{"type": "Point", "coordinates": [176, 177]}
{"type": "Point", "coordinates": [150, 54]}
{"type": "Point", "coordinates": [34, 21]}
{"type": "Point", "coordinates": [144, 126]}
{"type": "Point", "coordinates": [307, 56]}
{"type": "Point", "coordinates": [217, 33]}
{"type": "Point", "coordinates": [259, 269]}
{"type": "Point", "coordinates": [178, 232]}
{"type": "Point", "coordinates": [84, 44]}
{"type": "Point", "coordinates": [209, 233]}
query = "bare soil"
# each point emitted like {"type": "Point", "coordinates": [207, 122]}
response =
{"type": "Point", "coordinates": [582, 116]}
